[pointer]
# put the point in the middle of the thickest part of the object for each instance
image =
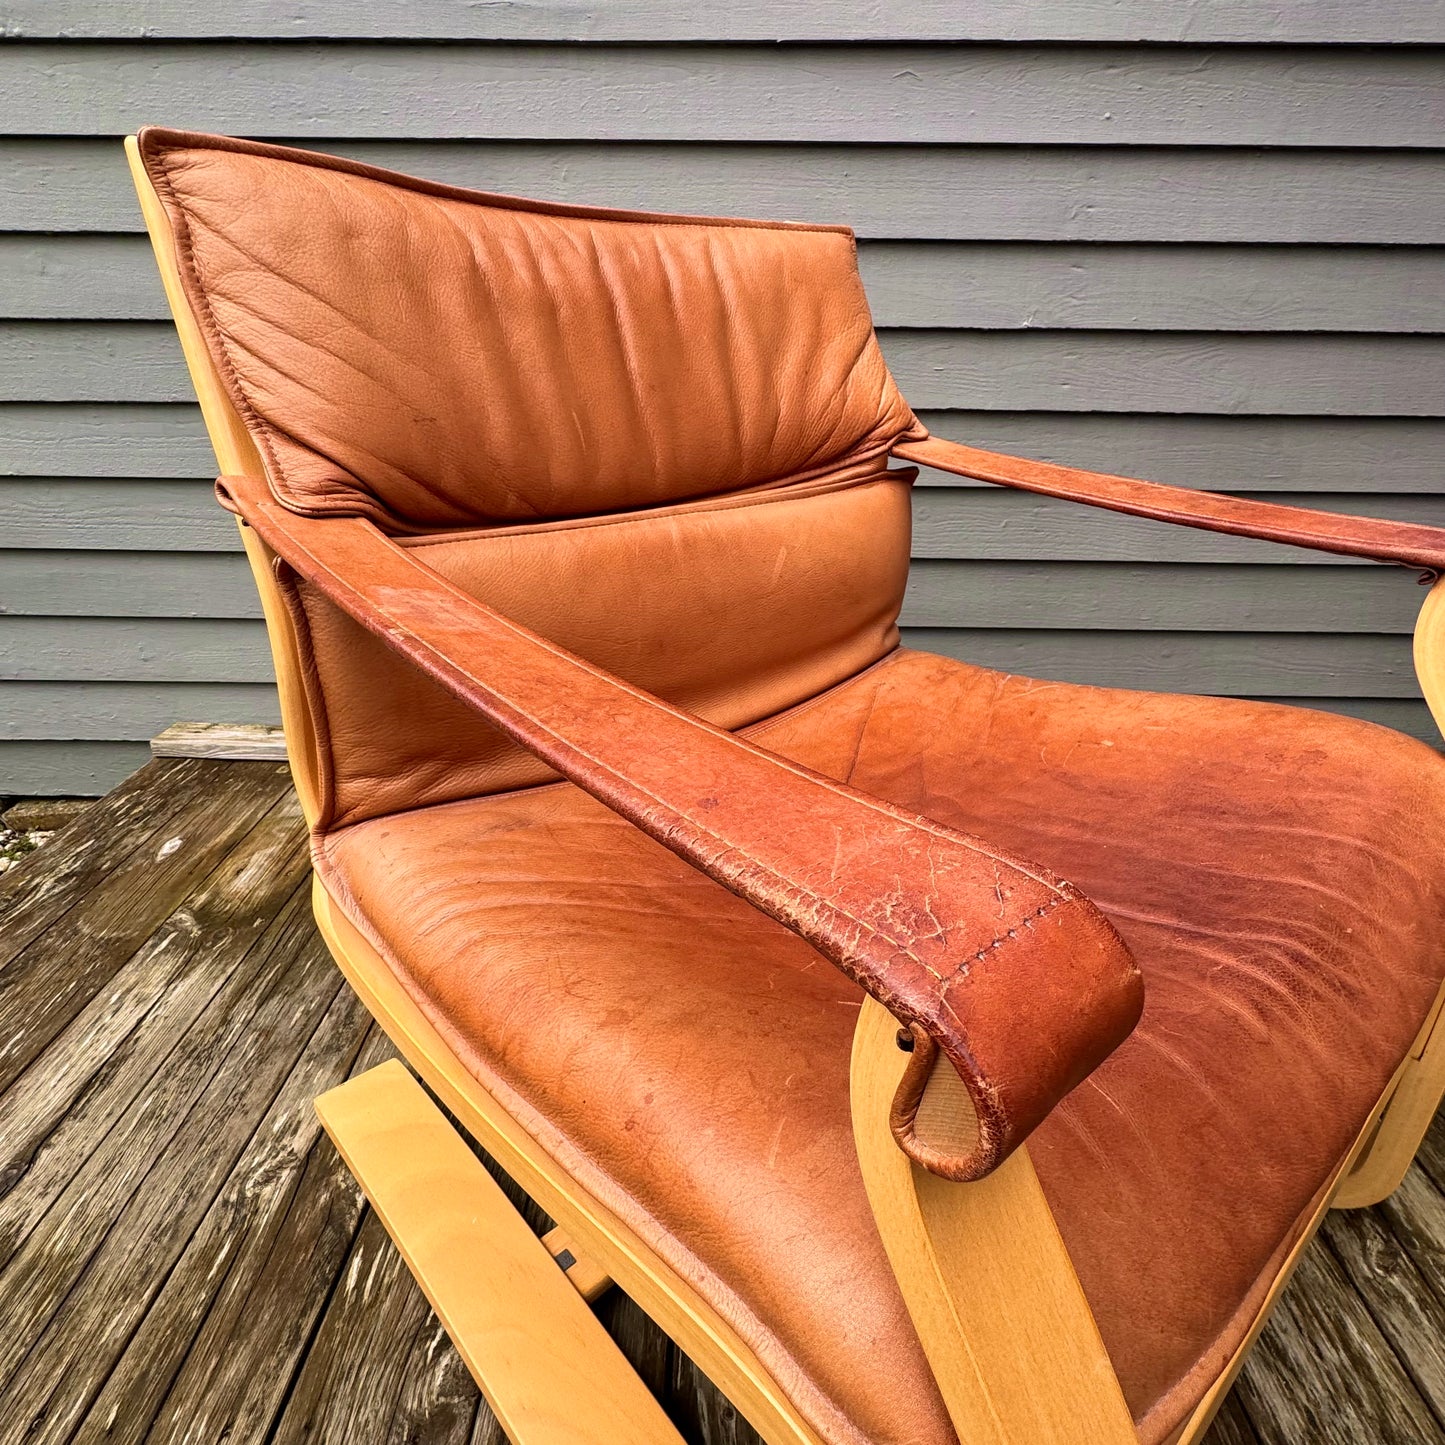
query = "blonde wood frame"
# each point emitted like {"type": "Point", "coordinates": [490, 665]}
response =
{"type": "Point", "coordinates": [986, 1278]}
{"type": "Point", "coordinates": [1416, 1096]}
{"type": "Point", "coordinates": [998, 1308]}
{"type": "Point", "coordinates": [548, 1369]}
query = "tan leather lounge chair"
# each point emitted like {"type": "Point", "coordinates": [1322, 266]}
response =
{"type": "Point", "coordinates": [776, 998]}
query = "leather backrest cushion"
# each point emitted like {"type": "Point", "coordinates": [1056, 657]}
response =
{"type": "Point", "coordinates": [435, 357]}
{"type": "Point", "coordinates": [735, 608]}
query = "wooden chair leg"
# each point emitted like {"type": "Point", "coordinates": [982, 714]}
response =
{"type": "Point", "coordinates": [1383, 1161]}
{"type": "Point", "coordinates": [1382, 1164]}
{"type": "Point", "coordinates": [986, 1278]}
{"type": "Point", "coordinates": [546, 1366]}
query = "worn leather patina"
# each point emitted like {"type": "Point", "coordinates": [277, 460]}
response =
{"type": "Point", "coordinates": [604, 497]}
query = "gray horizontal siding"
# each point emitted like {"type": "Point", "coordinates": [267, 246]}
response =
{"type": "Point", "coordinates": [905, 191]}
{"type": "Point", "coordinates": [58, 767]}
{"type": "Point", "coordinates": [1249, 373]}
{"type": "Point", "coordinates": [962, 523]}
{"type": "Point", "coordinates": [71, 710]}
{"type": "Point", "coordinates": [1217, 263]}
{"type": "Point", "coordinates": [1223, 453]}
{"type": "Point", "coordinates": [942, 592]}
{"type": "Point", "coordinates": [943, 94]}
{"type": "Point", "coordinates": [981, 285]}
{"type": "Point", "coordinates": [1200, 21]}
{"type": "Point", "coordinates": [121, 649]}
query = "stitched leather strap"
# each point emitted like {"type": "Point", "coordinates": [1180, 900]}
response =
{"type": "Point", "coordinates": [1013, 974]}
{"type": "Point", "coordinates": [1408, 544]}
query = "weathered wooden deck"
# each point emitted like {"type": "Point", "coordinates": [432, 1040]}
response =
{"type": "Point", "coordinates": [183, 1256]}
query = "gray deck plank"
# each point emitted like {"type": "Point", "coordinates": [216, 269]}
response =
{"type": "Point", "coordinates": [1397, 1294]}
{"type": "Point", "coordinates": [83, 854]}
{"type": "Point", "coordinates": [373, 1340]}
{"type": "Point", "coordinates": [1322, 1371]}
{"type": "Point", "coordinates": [52, 979]}
{"type": "Point", "coordinates": [207, 1307]}
{"type": "Point", "coordinates": [110, 1053]}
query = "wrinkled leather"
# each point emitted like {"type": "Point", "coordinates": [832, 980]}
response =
{"type": "Point", "coordinates": [1410, 544]}
{"type": "Point", "coordinates": [430, 356]}
{"type": "Point", "coordinates": [1276, 872]}
{"type": "Point", "coordinates": [734, 608]}
{"type": "Point", "coordinates": [1008, 970]}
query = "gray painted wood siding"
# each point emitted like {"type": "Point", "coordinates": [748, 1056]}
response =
{"type": "Point", "coordinates": [1203, 243]}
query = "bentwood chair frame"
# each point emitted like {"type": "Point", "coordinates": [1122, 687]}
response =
{"type": "Point", "coordinates": [986, 1277]}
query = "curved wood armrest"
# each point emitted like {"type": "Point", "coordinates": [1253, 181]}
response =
{"type": "Point", "coordinates": [986, 1277]}
{"type": "Point", "coordinates": [1013, 974]}
{"type": "Point", "coordinates": [1406, 543]}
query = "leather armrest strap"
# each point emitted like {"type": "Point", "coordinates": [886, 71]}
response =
{"type": "Point", "coordinates": [1013, 974]}
{"type": "Point", "coordinates": [1407, 543]}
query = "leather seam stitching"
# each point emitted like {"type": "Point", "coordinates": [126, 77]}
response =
{"type": "Point", "coordinates": [1028, 922]}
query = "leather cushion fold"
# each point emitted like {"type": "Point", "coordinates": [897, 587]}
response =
{"type": "Point", "coordinates": [734, 608]}
{"type": "Point", "coordinates": [431, 356]}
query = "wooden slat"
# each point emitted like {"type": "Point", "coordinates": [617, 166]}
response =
{"type": "Point", "coordinates": [1011, 193]}
{"type": "Point", "coordinates": [1324, 21]}
{"type": "Point", "coordinates": [1216, 453]}
{"type": "Point", "coordinates": [949, 521]}
{"type": "Point", "coordinates": [83, 440]}
{"type": "Point", "coordinates": [980, 522]}
{"type": "Point", "coordinates": [135, 649]}
{"type": "Point", "coordinates": [955, 94]}
{"type": "Point", "coordinates": [1404, 1307]}
{"type": "Point", "coordinates": [140, 361]}
{"type": "Point", "coordinates": [1230, 664]}
{"type": "Point", "coordinates": [228, 741]}
{"type": "Point", "coordinates": [377, 1343]}
{"type": "Point", "coordinates": [1231, 1425]}
{"type": "Point", "coordinates": [1011, 286]}
{"type": "Point", "coordinates": [546, 1367]}
{"type": "Point", "coordinates": [1168, 372]}
{"type": "Point", "coordinates": [941, 593]}
{"type": "Point", "coordinates": [115, 439]}
{"type": "Point", "coordinates": [100, 1066]}
{"type": "Point", "coordinates": [126, 584]}
{"type": "Point", "coordinates": [83, 854]}
{"type": "Point", "coordinates": [998, 523]}
{"type": "Point", "coordinates": [1237, 662]}
{"type": "Point", "coordinates": [1163, 596]}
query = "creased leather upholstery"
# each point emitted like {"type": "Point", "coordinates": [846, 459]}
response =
{"type": "Point", "coordinates": [1276, 872]}
{"type": "Point", "coordinates": [733, 608]}
{"type": "Point", "coordinates": [431, 357]}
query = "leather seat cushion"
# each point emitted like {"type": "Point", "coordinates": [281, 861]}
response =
{"type": "Point", "coordinates": [1279, 874]}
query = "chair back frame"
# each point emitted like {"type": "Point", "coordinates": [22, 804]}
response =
{"type": "Point", "coordinates": [998, 1307]}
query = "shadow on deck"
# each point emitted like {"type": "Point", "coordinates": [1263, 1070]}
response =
{"type": "Point", "coordinates": [184, 1257]}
